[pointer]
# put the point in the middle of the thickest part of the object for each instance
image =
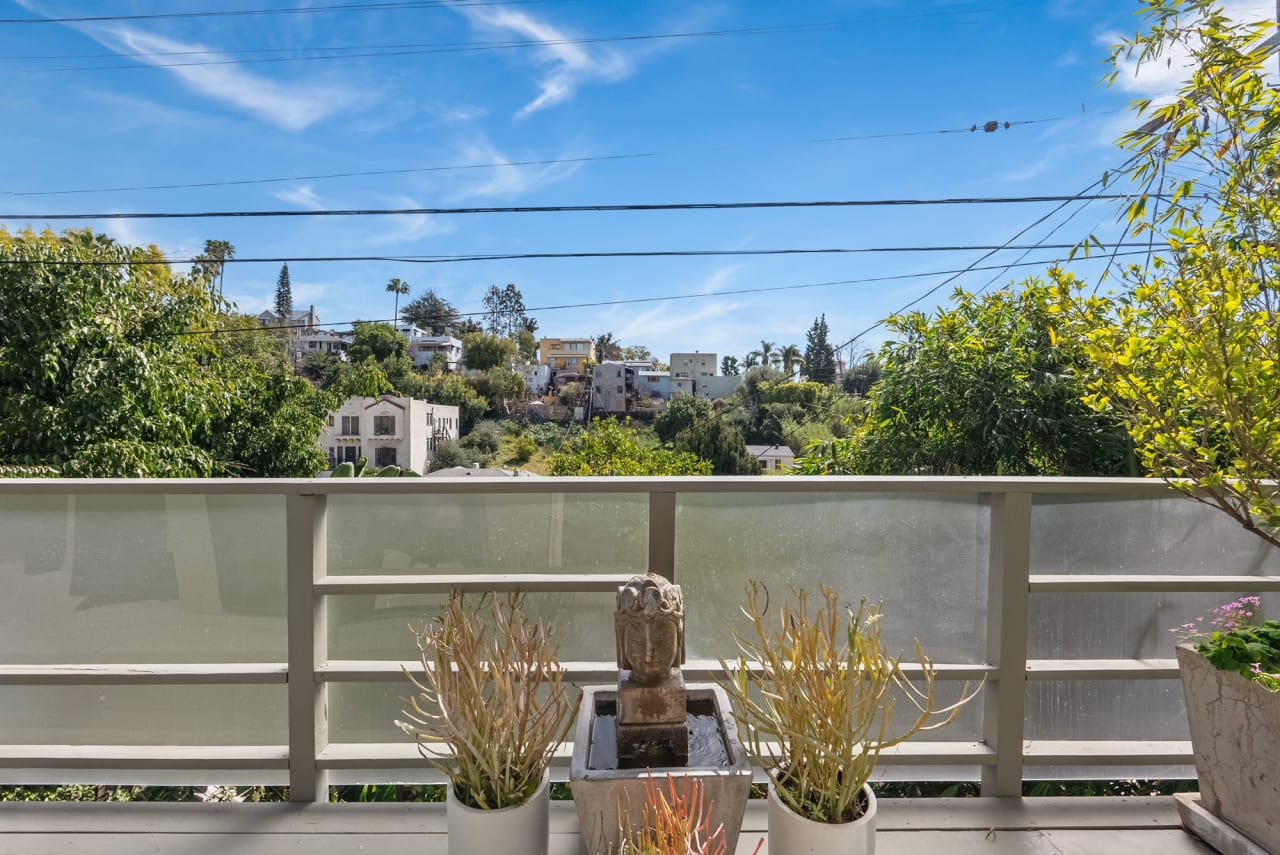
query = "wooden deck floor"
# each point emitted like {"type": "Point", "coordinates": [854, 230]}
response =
{"type": "Point", "coordinates": [1057, 826]}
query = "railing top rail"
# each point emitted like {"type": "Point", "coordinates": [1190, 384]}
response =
{"type": "Point", "coordinates": [963, 485]}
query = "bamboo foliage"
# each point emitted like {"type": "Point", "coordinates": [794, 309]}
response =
{"type": "Point", "coordinates": [492, 705]}
{"type": "Point", "coordinates": [827, 691]}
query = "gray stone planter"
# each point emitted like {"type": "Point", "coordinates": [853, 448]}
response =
{"type": "Point", "coordinates": [1235, 732]}
{"type": "Point", "coordinates": [607, 799]}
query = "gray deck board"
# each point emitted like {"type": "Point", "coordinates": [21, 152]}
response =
{"type": "Point", "coordinates": [1058, 826]}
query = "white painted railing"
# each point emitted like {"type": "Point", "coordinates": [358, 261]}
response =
{"type": "Point", "coordinates": [684, 520]}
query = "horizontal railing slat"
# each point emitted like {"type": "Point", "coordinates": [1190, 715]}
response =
{"type": "Point", "coordinates": [230, 673]}
{"type": "Point", "coordinates": [1080, 752]}
{"type": "Point", "coordinates": [1153, 583]}
{"type": "Point", "coordinates": [472, 582]}
{"type": "Point", "coordinates": [694, 670]}
{"type": "Point", "coordinates": [1102, 669]}
{"type": "Point", "coordinates": [144, 756]}
{"type": "Point", "coordinates": [405, 755]}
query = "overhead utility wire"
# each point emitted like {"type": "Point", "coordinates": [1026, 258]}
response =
{"type": "Point", "coordinates": [500, 164]}
{"type": "Point", "coordinates": [522, 256]}
{"type": "Point", "coordinates": [287, 10]}
{"type": "Point", "coordinates": [434, 48]}
{"type": "Point", "coordinates": [977, 261]}
{"type": "Point", "coordinates": [561, 209]}
{"type": "Point", "coordinates": [633, 300]}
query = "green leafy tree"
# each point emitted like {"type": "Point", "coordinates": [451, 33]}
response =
{"type": "Point", "coordinates": [451, 390]}
{"type": "Point", "coordinates": [500, 387]}
{"type": "Point", "coordinates": [819, 356]}
{"type": "Point", "coordinates": [99, 376]}
{"type": "Point", "coordinates": [1187, 354]}
{"type": "Point", "coordinates": [432, 313]}
{"type": "Point", "coordinates": [377, 341]}
{"type": "Point", "coordinates": [861, 376]}
{"type": "Point", "coordinates": [284, 296]}
{"type": "Point", "coordinates": [989, 386]}
{"type": "Point", "coordinates": [482, 351]}
{"type": "Point", "coordinates": [720, 444]}
{"type": "Point", "coordinates": [397, 287]}
{"type": "Point", "coordinates": [610, 448]}
{"type": "Point", "coordinates": [729, 366]}
{"type": "Point", "coordinates": [527, 345]}
{"type": "Point", "coordinates": [766, 355]}
{"type": "Point", "coordinates": [682, 413]}
{"type": "Point", "coordinates": [636, 353]}
{"type": "Point", "coordinates": [504, 313]}
{"type": "Point", "coordinates": [364, 379]}
{"type": "Point", "coordinates": [607, 347]}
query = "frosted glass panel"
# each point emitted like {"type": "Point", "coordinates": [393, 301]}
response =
{"type": "Point", "coordinates": [365, 626]}
{"type": "Point", "coordinates": [925, 556]}
{"type": "Point", "coordinates": [507, 533]}
{"type": "Point", "coordinates": [129, 578]}
{"type": "Point", "coordinates": [1106, 709]}
{"type": "Point", "coordinates": [1105, 534]}
{"type": "Point", "coordinates": [143, 715]}
{"type": "Point", "coordinates": [366, 712]}
{"type": "Point", "coordinates": [1116, 626]}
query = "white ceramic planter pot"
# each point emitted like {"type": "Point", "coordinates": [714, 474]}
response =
{"type": "Point", "coordinates": [519, 830]}
{"type": "Point", "coordinates": [1235, 733]}
{"type": "Point", "coordinates": [792, 834]}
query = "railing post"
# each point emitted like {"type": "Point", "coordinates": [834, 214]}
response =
{"type": "Point", "coordinates": [662, 534]}
{"type": "Point", "coordinates": [306, 552]}
{"type": "Point", "coordinates": [1004, 706]}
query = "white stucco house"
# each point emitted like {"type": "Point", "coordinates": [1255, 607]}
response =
{"type": "Point", "coordinates": [772, 458]}
{"type": "Point", "coordinates": [423, 347]}
{"type": "Point", "coordinates": [388, 430]}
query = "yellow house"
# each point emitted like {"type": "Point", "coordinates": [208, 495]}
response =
{"type": "Point", "coordinates": [565, 353]}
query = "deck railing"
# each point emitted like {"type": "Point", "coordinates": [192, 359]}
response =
{"type": "Point", "coordinates": [260, 612]}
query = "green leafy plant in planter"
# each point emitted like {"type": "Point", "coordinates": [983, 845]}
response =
{"type": "Point", "coordinates": [816, 712]}
{"type": "Point", "coordinates": [491, 708]}
{"type": "Point", "coordinates": [1233, 642]}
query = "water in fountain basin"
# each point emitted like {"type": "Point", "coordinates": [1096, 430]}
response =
{"type": "Point", "coordinates": [707, 748]}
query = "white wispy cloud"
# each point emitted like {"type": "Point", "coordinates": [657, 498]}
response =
{"type": "Point", "coordinates": [507, 179]}
{"type": "Point", "coordinates": [301, 195]}
{"type": "Point", "coordinates": [291, 106]}
{"type": "Point", "coordinates": [565, 66]}
{"type": "Point", "coordinates": [667, 319]}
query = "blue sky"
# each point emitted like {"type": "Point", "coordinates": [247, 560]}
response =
{"type": "Point", "coordinates": [724, 118]}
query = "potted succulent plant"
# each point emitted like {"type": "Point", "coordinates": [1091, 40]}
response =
{"type": "Point", "coordinates": [1230, 668]}
{"type": "Point", "coordinates": [676, 820]}
{"type": "Point", "coordinates": [490, 710]}
{"type": "Point", "coordinates": [827, 691]}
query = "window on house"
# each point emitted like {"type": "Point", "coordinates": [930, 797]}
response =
{"type": "Point", "coordinates": [333, 457]}
{"type": "Point", "coordinates": [330, 420]}
{"type": "Point", "coordinates": [384, 425]}
{"type": "Point", "coordinates": [348, 453]}
{"type": "Point", "coordinates": [619, 374]}
{"type": "Point", "coordinates": [570, 363]}
{"type": "Point", "coordinates": [350, 425]}
{"type": "Point", "coordinates": [384, 456]}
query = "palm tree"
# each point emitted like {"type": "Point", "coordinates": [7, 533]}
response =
{"type": "Point", "coordinates": [395, 286]}
{"type": "Point", "coordinates": [751, 360]}
{"type": "Point", "coordinates": [792, 359]}
{"type": "Point", "coordinates": [766, 355]}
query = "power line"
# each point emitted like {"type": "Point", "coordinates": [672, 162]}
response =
{"type": "Point", "coordinates": [500, 164]}
{"type": "Point", "coordinates": [425, 48]}
{"type": "Point", "coordinates": [523, 256]}
{"type": "Point", "coordinates": [669, 297]}
{"type": "Point", "coordinates": [295, 10]}
{"type": "Point", "coordinates": [560, 209]}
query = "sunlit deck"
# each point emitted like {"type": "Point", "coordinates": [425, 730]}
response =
{"type": "Point", "coordinates": [253, 632]}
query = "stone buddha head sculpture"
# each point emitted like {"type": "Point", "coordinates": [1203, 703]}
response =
{"type": "Point", "coordinates": [649, 624]}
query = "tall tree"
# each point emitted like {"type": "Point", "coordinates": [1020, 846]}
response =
{"type": "Point", "coordinates": [481, 351]}
{"type": "Point", "coordinates": [432, 313]}
{"type": "Point", "coordinates": [607, 347]}
{"type": "Point", "coordinates": [382, 342]}
{"type": "Point", "coordinates": [211, 263]}
{"type": "Point", "coordinates": [284, 296]}
{"type": "Point", "coordinates": [395, 286]}
{"type": "Point", "coordinates": [729, 366]}
{"type": "Point", "coordinates": [819, 355]}
{"type": "Point", "coordinates": [504, 311]}
{"type": "Point", "coordinates": [609, 448]}
{"type": "Point", "coordinates": [636, 352]}
{"type": "Point", "coordinates": [791, 359]}
{"type": "Point", "coordinates": [766, 355]}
